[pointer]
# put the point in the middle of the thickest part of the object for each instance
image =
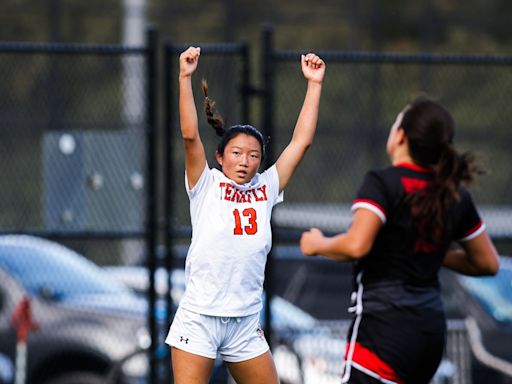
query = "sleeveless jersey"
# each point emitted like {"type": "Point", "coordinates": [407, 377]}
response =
{"type": "Point", "coordinates": [231, 237]}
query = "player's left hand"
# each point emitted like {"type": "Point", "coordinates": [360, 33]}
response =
{"type": "Point", "coordinates": [313, 67]}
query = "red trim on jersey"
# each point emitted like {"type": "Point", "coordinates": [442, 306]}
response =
{"type": "Point", "coordinates": [414, 167]}
{"type": "Point", "coordinates": [372, 203]}
{"type": "Point", "coordinates": [369, 360]}
{"type": "Point", "coordinates": [474, 229]}
{"type": "Point", "coordinates": [412, 184]}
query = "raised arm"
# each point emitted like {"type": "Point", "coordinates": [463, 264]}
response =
{"type": "Point", "coordinates": [313, 69]}
{"type": "Point", "coordinates": [352, 245]}
{"type": "Point", "coordinates": [477, 257]}
{"type": "Point", "coordinates": [195, 157]}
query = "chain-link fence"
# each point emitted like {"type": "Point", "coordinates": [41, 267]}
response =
{"type": "Point", "coordinates": [86, 165]}
{"type": "Point", "coordinates": [363, 93]}
{"type": "Point", "coordinates": [76, 132]}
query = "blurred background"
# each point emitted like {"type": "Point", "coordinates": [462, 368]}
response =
{"type": "Point", "coordinates": [429, 25]}
{"type": "Point", "coordinates": [93, 208]}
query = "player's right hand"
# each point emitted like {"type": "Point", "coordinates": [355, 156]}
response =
{"type": "Point", "coordinates": [309, 241]}
{"type": "Point", "coordinates": [188, 60]}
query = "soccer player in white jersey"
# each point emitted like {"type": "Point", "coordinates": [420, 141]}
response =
{"type": "Point", "coordinates": [230, 212]}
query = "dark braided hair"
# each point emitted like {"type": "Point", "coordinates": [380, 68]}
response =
{"type": "Point", "coordinates": [430, 129]}
{"type": "Point", "coordinates": [214, 118]}
{"type": "Point", "coordinates": [217, 122]}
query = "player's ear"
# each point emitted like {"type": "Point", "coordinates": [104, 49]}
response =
{"type": "Point", "coordinates": [218, 156]}
{"type": "Point", "coordinates": [400, 136]}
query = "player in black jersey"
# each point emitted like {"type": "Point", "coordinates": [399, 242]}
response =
{"type": "Point", "coordinates": [408, 220]}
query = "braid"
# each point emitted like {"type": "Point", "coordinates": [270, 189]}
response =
{"type": "Point", "coordinates": [216, 121]}
{"type": "Point", "coordinates": [213, 117]}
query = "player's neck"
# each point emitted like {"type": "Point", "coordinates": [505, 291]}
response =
{"type": "Point", "coordinates": [401, 155]}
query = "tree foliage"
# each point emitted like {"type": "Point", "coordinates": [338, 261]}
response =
{"type": "Point", "coordinates": [400, 25]}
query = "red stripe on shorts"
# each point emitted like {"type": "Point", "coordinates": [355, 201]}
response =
{"type": "Point", "coordinates": [369, 360]}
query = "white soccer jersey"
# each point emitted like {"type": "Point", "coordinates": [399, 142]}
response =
{"type": "Point", "coordinates": [231, 237]}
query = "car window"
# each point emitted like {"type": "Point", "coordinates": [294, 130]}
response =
{"type": "Point", "coordinates": [56, 272]}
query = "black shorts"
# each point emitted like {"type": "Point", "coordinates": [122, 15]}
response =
{"type": "Point", "coordinates": [358, 377]}
{"type": "Point", "coordinates": [399, 346]}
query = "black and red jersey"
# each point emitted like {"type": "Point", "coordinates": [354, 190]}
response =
{"type": "Point", "coordinates": [400, 251]}
{"type": "Point", "coordinates": [398, 333]}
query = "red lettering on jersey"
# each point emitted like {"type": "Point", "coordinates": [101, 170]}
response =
{"type": "Point", "coordinates": [411, 184]}
{"type": "Point", "coordinates": [222, 185]}
{"type": "Point", "coordinates": [231, 193]}
{"type": "Point", "coordinates": [263, 195]}
{"type": "Point", "coordinates": [240, 196]}
{"type": "Point", "coordinates": [228, 194]}
{"type": "Point", "coordinates": [247, 197]}
{"type": "Point", "coordinates": [422, 246]}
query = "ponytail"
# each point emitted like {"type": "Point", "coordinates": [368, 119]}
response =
{"type": "Point", "coordinates": [217, 122]}
{"type": "Point", "coordinates": [430, 129]}
{"type": "Point", "coordinates": [428, 206]}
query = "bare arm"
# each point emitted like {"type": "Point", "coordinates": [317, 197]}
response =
{"type": "Point", "coordinates": [313, 69]}
{"type": "Point", "coordinates": [477, 257]}
{"type": "Point", "coordinates": [195, 157]}
{"type": "Point", "coordinates": [352, 245]}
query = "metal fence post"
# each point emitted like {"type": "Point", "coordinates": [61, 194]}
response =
{"type": "Point", "coordinates": [151, 221]}
{"type": "Point", "coordinates": [169, 237]}
{"type": "Point", "coordinates": [268, 71]}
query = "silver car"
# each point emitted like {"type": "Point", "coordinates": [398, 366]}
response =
{"type": "Point", "coordinates": [86, 321]}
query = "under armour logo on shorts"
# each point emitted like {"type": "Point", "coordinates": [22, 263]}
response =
{"type": "Point", "coordinates": [260, 333]}
{"type": "Point", "coordinates": [182, 339]}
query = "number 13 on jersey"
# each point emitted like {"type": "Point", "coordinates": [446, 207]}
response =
{"type": "Point", "coordinates": [248, 215]}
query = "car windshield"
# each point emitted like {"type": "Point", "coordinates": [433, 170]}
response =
{"type": "Point", "coordinates": [55, 271]}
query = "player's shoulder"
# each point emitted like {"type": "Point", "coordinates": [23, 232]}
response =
{"type": "Point", "coordinates": [385, 175]}
{"type": "Point", "coordinates": [465, 196]}
{"type": "Point", "coordinates": [397, 173]}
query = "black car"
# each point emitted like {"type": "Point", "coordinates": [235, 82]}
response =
{"type": "Point", "coordinates": [86, 321]}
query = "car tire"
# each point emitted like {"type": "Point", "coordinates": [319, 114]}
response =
{"type": "Point", "coordinates": [77, 378]}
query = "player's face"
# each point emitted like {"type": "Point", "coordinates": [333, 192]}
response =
{"type": "Point", "coordinates": [393, 138]}
{"type": "Point", "coordinates": [241, 158]}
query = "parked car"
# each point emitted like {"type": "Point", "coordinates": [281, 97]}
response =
{"type": "Point", "coordinates": [86, 321]}
{"type": "Point", "coordinates": [302, 345]}
{"type": "Point", "coordinates": [285, 315]}
{"type": "Point", "coordinates": [306, 350]}
{"type": "Point", "coordinates": [136, 278]}
{"type": "Point", "coordinates": [314, 355]}
{"type": "Point", "coordinates": [6, 370]}
{"type": "Point", "coordinates": [488, 300]}
{"type": "Point", "coordinates": [493, 293]}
